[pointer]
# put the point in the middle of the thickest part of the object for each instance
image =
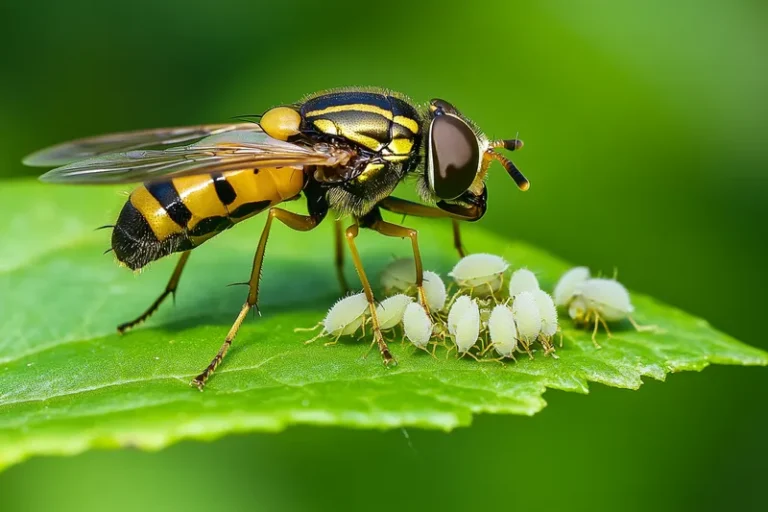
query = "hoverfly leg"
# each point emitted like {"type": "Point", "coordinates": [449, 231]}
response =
{"type": "Point", "coordinates": [339, 261]}
{"type": "Point", "coordinates": [457, 238]}
{"type": "Point", "coordinates": [351, 233]}
{"type": "Point", "coordinates": [293, 221]}
{"type": "Point", "coordinates": [170, 289]}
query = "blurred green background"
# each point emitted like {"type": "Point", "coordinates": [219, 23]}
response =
{"type": "Point", "coordinates": [645, 127]}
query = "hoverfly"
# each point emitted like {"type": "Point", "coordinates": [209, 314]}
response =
{"type": "Point", "coordinates": [345, 150]}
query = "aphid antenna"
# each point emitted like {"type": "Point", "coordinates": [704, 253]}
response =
{"type": "Point", "coordinates": [644, 328]}
{"type": "Point", "coordinates": [307, 329]}
{"type": "Point", "coordinates": [510, 145]}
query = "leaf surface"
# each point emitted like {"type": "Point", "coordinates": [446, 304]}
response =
{"type": "Point", "coordinates": [69, 382]}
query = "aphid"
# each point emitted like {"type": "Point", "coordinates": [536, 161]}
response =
{"type": "Point", "coordinates": [600, 301]}
{"type": "Point", "coordinates": [345, 150]}
{"type": "Point", "coordinates": [434, 290]}
{"type": "Point", "coordinates": [390, 311]}
{"type": "Point", "coordinates": [417, 325]}
{"type": "Point", "coordinates": [503, 332]}
{"type": "Point", "coordinates": [467, 327]}
{"type": "Point", "coordinates": [460, 305]}
{"type": "Point", "coordinates": [481, 272]}
{"type": "Point", "coordinates": [399, 275]}
{"type": "Point", "coordinates": [522, 280]}
{"type": "Point", "coordinates": [566, 287]}
{"type": "Point", "coordinates": [527, 317]}
{"type": "Point", "coordinates": [346, 316]}
{"type": "Point", "coordinates": [548, 315]}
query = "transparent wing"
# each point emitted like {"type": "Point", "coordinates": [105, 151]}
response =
{"type": "Point", "coordinates": [230, 151]}
{"type": "Point", "coordinates": [91, 147]}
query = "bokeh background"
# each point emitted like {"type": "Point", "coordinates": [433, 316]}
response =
{"type": "Point", "coordinates": [645, 125]}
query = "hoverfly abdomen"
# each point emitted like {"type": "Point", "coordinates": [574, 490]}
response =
{"type": "Point", "coordinates": [164, 217]}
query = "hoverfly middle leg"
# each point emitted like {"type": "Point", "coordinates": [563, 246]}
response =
{"type": "Point", "coordinates": [292, 220]}
{"type": "Point", "coordinates": [351, 233]}
{"type": "Point", "coordinates": [457, 244]}
{"type": "Point", "coordinates": [170, 289]}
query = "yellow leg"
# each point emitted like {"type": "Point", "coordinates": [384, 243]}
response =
{"type": "Point", "coordinates": [170, 289]}
{"type": "Point", "coordinates": [386, 356]}
{"type": "Point", "coordinates": [293, 221]}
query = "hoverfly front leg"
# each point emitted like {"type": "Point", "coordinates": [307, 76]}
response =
{"type": "Point", "coordinates": [457, 238]}
{"type": "Point", "coordinates": [170, 289]}
{"type": "Point", "coordinates": [293, 221]}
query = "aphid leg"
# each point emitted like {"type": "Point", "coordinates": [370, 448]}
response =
{"type": "Point", "coordinates": [307, 329]}
{"type": "Point", "coordinates": [315, 337]}
{"type": "Point", "coordinates": [605, 325]}
{"type": "Point", "coordinates": [594, 331]}
{"type": "Point", "coordinates": [393, 230]}
{"type": "Point", "coordinates": [642, 328]}
{"type": "Point", "coordinates": [339, 261]}
{"type": "Point", "coordinates": [457, 238]}
{"type": "Point", "coordinates": [170, 289]}
{"type": "Point", "coordinates": [293, 221]}
{"type": "Point", "coordinates": [386, 355]}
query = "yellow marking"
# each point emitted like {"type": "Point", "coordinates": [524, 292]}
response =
{"type": "Point", "coordinates": [199, 196]}
{"type": "Point", "coordinates": [363, 140]}
{"type": "Point", "coordinates": [326, 126]}
{"type": "Point", "coordinates": [408, 123]}
{"type": "Point", "coordinates": [401, 146]}
{"type": "Point", "coordinates": [396, 158]}
{"type": "Point", "coordinates": [370, 171]}
{"type": "Point", "coordinates": [153, 212]}
{"type": "Point", "coordinates": [272, 184]}
{"type": "Point", "coordinates": [360, 107]}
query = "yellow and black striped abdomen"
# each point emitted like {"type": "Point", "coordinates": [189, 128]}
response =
{"type": "Point", "coordinates": [164, 217]}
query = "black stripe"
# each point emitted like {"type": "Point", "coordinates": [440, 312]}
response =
{"type": "Point", "coordinates": [168, 197]}
{"type": "Point", "coordinates": [345, 98]}
{"type": "Point", "coordinates": [224, 189]}
{"type": "Point", "coordinates": [210, 225]}
{"type": "Point", "coordinates": [249, 209]}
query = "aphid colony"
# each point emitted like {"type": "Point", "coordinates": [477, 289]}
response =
{"type": "Point", "coordinates": [483, 314]}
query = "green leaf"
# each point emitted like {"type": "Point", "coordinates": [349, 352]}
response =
{"type": "Point", "coordinates": [68, 382]}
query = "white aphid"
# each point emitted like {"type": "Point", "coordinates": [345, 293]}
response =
{"type": "Point", "coordinates": [399, 275]}
{"type": "Point", "coordinates": [605, 297]}
{"type": "Point", "coordinates": [467, 329]}
{"type": "Point", "coordinates": [566, 287]}
{"type": "Point", "coordinates": [434, 290]}
{"type": "Point", "coordinates": [346, 316]}
{"type": "Point", "coordinates": [390, 311]}
{"type": "Point", "coordinates": [460, 305]}
{"type": "Point", "coordinates": [547, 312]}
{"type": "Point", "coordinates": [522, 280]}
{"type": "Point", "coordinates": [417, 325]}
{"type": "Point", "coordinates": [483, 272]}
{"type": "Point", "coordinates": [501, 327]}
{"type": "Point", "coordinates": [527, 317]}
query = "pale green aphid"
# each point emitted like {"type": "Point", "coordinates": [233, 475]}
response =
{"type": "Point", "coordinates": [482, 273]}
{"type": "Point", "coordinates": [399, 275]}
{"type": "Point", "coordinates": [390, 311]}
{"type": "Point", "coordinates": [346, 316]}
{"type": "Point", "coordinates": [566, 287]}
{"type": "Point", "coordinates": [417, 325]}
{"type": "Point", "coordinates": [466, 325]}
{"type": "Point", "coordinates": [434, 290]}
{"type": "Point", "coordinates": [527, 317]}
{"type": "Point", "coordinates": [503, 332]}
{"type": "Point", "coordinates": [460, 305]}
{"type": "Point", "coordinates": [522, 280]}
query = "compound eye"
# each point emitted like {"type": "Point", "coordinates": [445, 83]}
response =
{"type": "Point", "coordinates": [438, 107]}
{"type": "Point", "coordinates": [454, 156]}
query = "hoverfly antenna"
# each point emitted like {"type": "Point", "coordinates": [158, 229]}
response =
{"type": "Point", "coordinates": [252, 118]}
{"type": "Point", "coordinates": [510, 145]}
